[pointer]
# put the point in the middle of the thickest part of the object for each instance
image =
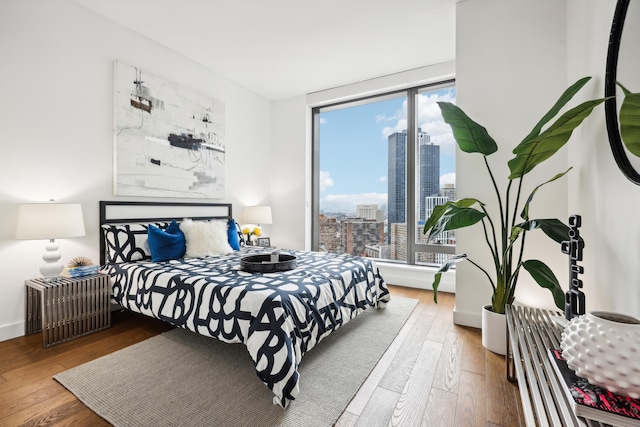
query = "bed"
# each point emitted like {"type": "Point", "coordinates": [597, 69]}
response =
{"type": "Point", "coordinates": [277, 316]}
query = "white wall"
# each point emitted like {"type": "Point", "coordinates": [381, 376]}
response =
{"type": "Point", "coordinates": [56, 127]}
{"type": "Point", "coordinates": [528, 52]}
{"type": "Point", "coordinates": [290, 185]}
{"type": "Point", "coordinates": [511, 68]}
{"type": "Point", "coordinates": [608, 202]}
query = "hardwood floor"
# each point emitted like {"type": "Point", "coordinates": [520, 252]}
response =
{"type": "Point", "coordinates": [434, 374]}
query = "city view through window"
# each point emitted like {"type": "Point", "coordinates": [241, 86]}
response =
{"type": "Point", "coordinates": [364, 179]}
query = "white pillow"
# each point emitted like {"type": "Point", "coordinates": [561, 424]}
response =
{"type": "Point", "coordinates": [205, 238]}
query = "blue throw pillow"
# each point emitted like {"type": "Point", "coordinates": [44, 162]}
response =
{"type": "Point", "coordinates": [166, 244]}
{"type": "Point", "coordinates": [232, 231]}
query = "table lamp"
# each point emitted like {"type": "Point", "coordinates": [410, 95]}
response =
{"type": "Point", "coordinates": [257, 215]}
{"type": "Point", "coordinates": [51, 221]}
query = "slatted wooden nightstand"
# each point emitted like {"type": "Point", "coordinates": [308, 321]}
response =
{"type": "Point", "coordinates": [67, 308]}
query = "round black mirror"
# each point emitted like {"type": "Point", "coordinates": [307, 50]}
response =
{"type": "Point", "coordinates": [611, 105]}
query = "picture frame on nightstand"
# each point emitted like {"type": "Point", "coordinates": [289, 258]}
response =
{"type": "Point", "coordinates": [264, 242]}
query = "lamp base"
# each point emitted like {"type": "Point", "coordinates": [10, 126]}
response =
{"type": "Point", "coordinates": [52, 268]}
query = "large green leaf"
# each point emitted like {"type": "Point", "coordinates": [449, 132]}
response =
{"type": "Point", "coordinates": [462, 217]}
{"type": "Point", "coordinates": [470, 136]}
{"type": "Point", "coordinates": [454, 218]}
{"type": "Point", "coordinates": [439, 210]}
{"type": "Point", "coordinates": [630, 123]}
{"type": "Point", "coordinates": [531, 153]}
{"type": "Point", "coordinates": [624, 89]}
{"type": "Point", "coordinates": [444, 268]}
{"type": "Point", "coordinates": [554, 228]}
{"type": "Point", "coordinates": [546, 279]}
{"type": "Point", "coordinates": [435, 216]}
{"type": "Point", "coordinates": [525, 211]}
{"type": "Point", "coordinates": [561, 102]}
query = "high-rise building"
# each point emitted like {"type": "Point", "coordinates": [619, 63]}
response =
{"type": "Point", "coordinates": [370, 212]}
{"type": "Point", "coordinates": [396, 179]}
{"type": "Point", "coordinates": [429, 176]}
{"type": "Point", "coordinates": [398, 239]}
{"type": "Point", "coordinates": [378, 251]}
{"type": "Point", "coordinates": [448, 191]}
{"type": "Point", "coordinates": [329, 234]}
{"type": "Point", "coordinates": [357, 233]}
{"type": "Point", "coordinates": [429, 161]}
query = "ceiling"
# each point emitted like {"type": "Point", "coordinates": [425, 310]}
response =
{"type": "Point", "coordinates": [284, 48]}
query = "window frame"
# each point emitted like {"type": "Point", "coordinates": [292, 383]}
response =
{"type": "Point", "coordinates": [411, 94]}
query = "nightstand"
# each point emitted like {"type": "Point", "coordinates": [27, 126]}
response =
{"type": "Point", "coordinates": [67, 308]}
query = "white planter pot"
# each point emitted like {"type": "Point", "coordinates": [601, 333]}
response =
{"type": "Point", "coordinates": [494, 331]}
{"type": "Point", "coordinates": [604, 348]}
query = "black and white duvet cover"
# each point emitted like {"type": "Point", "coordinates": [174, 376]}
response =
{"type": "Point", "coordinates": [278, 316]}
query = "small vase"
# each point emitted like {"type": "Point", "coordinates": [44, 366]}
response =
{"type": "Point", "coordinates": [604, 348]}
{"type": "Point", "coordinates": [494, 331]}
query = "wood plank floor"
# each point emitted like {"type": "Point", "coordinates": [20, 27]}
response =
{"type": "Point", "coordinates": [434, 374]}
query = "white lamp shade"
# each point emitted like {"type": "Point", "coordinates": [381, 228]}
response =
{"type": "Point", "coordinates": [257, 215]}
{"type": "Point", "coordinates": [49, 221]}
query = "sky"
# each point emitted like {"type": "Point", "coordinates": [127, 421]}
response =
{"type": "Point", "coordinates": [354, 148]}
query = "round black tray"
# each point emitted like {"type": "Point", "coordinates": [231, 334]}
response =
{"type": "Point", "coordinates": [261, 263]}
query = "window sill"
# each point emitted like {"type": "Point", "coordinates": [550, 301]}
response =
{"type": "Point", "coordinates": [414, 276]}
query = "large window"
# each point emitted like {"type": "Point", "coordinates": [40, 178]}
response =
{"type": "Point", "coordinates": [381, 164]}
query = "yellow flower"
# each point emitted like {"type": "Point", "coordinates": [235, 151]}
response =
{"type": "Point", "coordinates": [257, 231]}
{"type": "Point", "coordinates": [246, 230]}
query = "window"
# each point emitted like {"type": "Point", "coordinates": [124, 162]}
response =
{"type": "Point", "coordinates": [379, 172]}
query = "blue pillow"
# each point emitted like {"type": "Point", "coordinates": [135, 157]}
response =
{"type": "Point", "coordinates": [166, 244]}
{"type": "Point", "coordinates": [232, 232]}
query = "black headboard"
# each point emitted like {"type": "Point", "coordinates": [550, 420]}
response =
{"type": "Point", "coordinates": [119, 212]}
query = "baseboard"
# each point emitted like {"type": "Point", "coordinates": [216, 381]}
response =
{"type": "Point", "coordinates": [11, 331]}
{"type": "Point", "coordinates": [473, 320]}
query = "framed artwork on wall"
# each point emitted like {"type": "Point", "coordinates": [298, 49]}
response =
{"type": "Point", "coordinates": [169, 141]}
{"type": "Point", "coordinates": [264, 242]}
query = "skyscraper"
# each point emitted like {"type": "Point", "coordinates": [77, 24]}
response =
{"type": "Point", "coordinates": [396, 180]}
{"type": "Point", "coordinates": [429, 176]}
{"type": "Point", "coordinates": [429, 161]}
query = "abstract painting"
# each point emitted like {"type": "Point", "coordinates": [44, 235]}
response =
{"type": "Point", "coordinates": [169, 140]}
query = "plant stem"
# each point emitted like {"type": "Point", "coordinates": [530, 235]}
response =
{"type": "Point", "coordinates": [515, 208]}
{"type": "Point", "coordinates": [502, 219]}
{"type": "Point", "coordinates": [495, 187]}
{"type": "Point", "coordinates": [494, 248]}
{"type": "Point", "coordinates": [493, 286]}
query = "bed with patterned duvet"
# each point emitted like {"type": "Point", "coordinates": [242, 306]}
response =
{"type": "Point", "coordinates": [278, 316]}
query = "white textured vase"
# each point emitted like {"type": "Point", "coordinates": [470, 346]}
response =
{"type": "Point", "coordinates": [604, 348]}
{"type": "Point", "coordinates": [494, 330]}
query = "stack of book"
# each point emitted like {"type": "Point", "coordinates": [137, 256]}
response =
{"type": "Point", "coordinates": [594, 402]}
{"type": "Point", "coordinates": [84, 270]}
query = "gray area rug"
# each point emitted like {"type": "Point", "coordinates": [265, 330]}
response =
{"type": "Point", "coordinates": [179, 378]}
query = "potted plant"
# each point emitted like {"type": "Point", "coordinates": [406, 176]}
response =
{"type": "Point", "coordinates": [505, 236]}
